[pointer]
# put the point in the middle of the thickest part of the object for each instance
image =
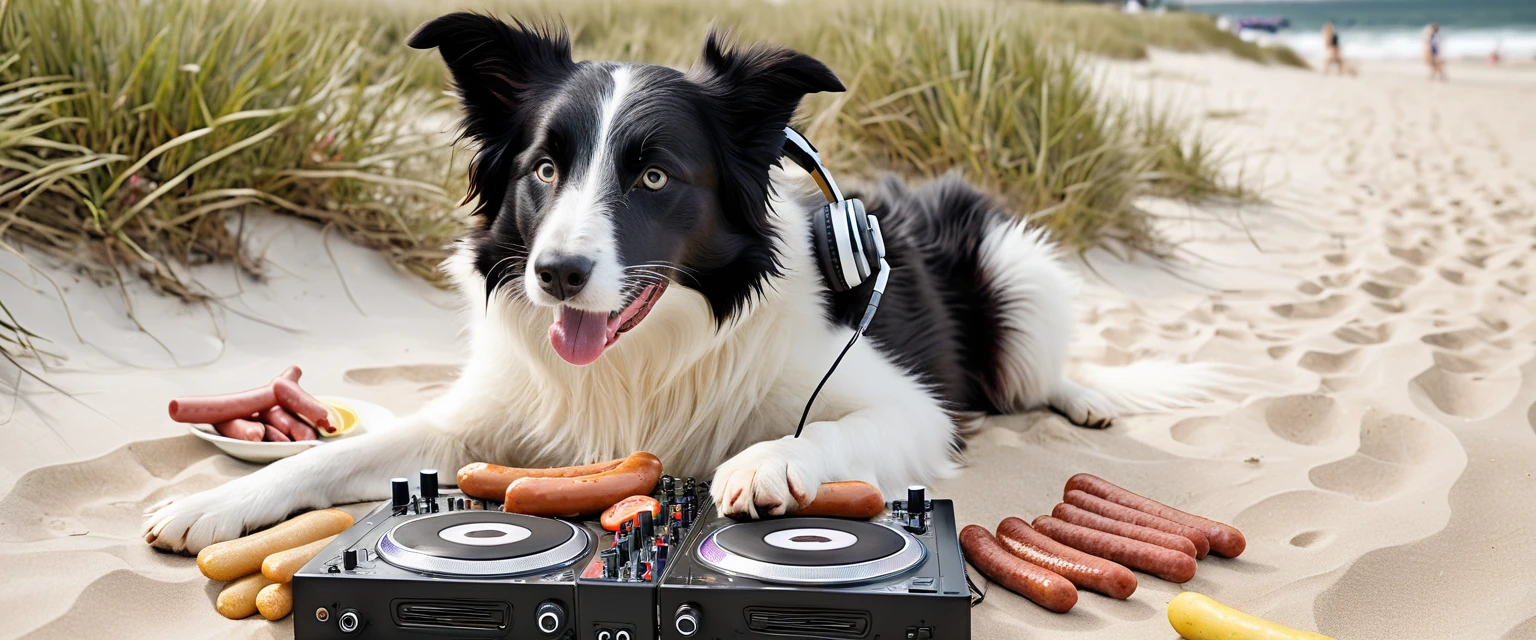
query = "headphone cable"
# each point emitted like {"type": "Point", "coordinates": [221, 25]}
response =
{"type": "Point", "coordinates": [856, 333]}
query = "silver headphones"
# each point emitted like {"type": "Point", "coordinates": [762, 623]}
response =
{"type": "Point", "coordinates": [846, 239]}
{"type": "Point", "coordinates": [847, 243]}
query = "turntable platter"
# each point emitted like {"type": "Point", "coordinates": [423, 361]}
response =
{"type": "Point", "coordinates": [483, 543]}
{"type": "Point", "coordinates": [811, 550]}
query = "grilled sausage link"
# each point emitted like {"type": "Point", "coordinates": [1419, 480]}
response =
{"type": "Point", "coordinates": [1083, 570]}
{"type": "Point", "coordinates": [1225, 539]}
{"type": "Point", "coordinates": [1167, 564]}
{"type": "Point", "coordinates": [1040, 585]}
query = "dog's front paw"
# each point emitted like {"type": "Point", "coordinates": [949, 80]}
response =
{"type": "Point", "coordinates": [762, 482]}
{"type": "Point", "coordinates": [189, 523]}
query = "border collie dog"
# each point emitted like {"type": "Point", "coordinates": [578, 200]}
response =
{"type": "Point", "coordinates": [642, 277]}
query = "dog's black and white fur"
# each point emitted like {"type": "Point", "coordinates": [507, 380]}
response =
{"type": "Point", "coordinates": [599, 183]}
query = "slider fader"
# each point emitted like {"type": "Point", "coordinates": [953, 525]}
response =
{"type": "Point", "coordinates": [619, 586]}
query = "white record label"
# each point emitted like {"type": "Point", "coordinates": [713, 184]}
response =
{"type": "Point", "coordinates": [811, 539]}
{"type": "Point", "coordinates": [485, 534]}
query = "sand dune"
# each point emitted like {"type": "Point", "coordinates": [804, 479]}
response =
{"type": "Point", "coordinates": [1380, 460]}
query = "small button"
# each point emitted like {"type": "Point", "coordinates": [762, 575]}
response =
{"type": "Point", "coordinates": [921, 585]}
{"type": "Point", "coordinates": [924, 633]}
{"type": "Point", "coordinates": [911, 633]}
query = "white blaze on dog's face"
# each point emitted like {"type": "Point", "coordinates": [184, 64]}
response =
{"type": "Point", "coordinates": [601, 183]}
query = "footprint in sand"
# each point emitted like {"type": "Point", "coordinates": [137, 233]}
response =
{"type": "Point", "coordinates": [1458, 339]}
{"type": "Point", "coordinates": [1416, 256]}
{"type": "Point", "coordinates": [1453, 276]}
{"type": "Point", "coordinates": [1337, 280]}
{"type": "Point", "coordinates": [1467, 395]}
{"type": "Point", "coordinates": [1308, 538]}
{"type": "Point", "coordinates": [1391, 445]}
{"type": "Point", "coordinates": [1312, 309]}
{"type": "Point", "coordinates": [1326, 362]}
{"type": "Point", "coordinates": [422, 374]}
{"type": "Point", "coordinates": [1200, 431]}
{"type": "Point", "coordinates": [1308, 419]}
{"type": "Point", "coordinates": [1356, 332]}
{"type": "Point", "coordinates": [1381, 291]}
{"type": "Point", "coordinates": [1399, 275]}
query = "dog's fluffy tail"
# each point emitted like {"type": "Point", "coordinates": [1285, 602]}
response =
{"type": "Point", "coordinates": [1147, 386]}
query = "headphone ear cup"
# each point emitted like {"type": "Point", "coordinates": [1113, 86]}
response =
{"type": "Point", "coordinates": [866, 234]}
{"type": "Point", "coordinates": [825, 249]}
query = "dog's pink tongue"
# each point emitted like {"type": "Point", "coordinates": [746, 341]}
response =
{"type": "Point", "coordinates": [579, 336]}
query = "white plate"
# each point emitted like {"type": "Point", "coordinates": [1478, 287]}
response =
{"type": "Point", "coordinates": [370, 417]}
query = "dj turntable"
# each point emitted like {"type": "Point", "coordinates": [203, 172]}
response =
{"type": "Point", "coordinates": [437, 564]}
{"type": "Point", "coordinates": [897, 576]}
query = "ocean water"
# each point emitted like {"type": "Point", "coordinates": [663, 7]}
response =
{"type": "Point", "coordinates": [1395, 28]}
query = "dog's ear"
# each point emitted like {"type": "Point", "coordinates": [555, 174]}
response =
{"type": "Point", "coordinates": [754, 91]}
{"type": "Point", "coordinates": [757, 89]}
{"type": "Point", "coordinates": [494, 66]}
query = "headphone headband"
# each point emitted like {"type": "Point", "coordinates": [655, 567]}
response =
{"type": "Point", "coordinates": [799, 150]}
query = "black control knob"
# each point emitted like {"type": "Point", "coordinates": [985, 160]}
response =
{"type": "Point", "coordinates": [429, 483]}
{"type": "Point", "coordinates": [349, 559]}
{"type": "Point", "coordinates": [917, 499]}
{"type": "Point", "coordinates": [550, 617]}
{"type": "Point", "coordinates": [399, 494]}
{"type": "Point", "coordinates": [687, 620]}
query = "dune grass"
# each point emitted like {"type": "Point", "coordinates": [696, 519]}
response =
{"type": "Point", "coordinates": [130, 131]}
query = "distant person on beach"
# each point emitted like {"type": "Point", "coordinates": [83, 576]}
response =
{"type": "Point", "coordinates": [1335, 55]}
{"type": "Point", "coordinates": [1432, 53]}
{"type": "Point", "coordinates": [1493, 56]}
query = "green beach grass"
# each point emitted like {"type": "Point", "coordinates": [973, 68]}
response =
{"type": "Point", "coordinates": [130, 130]}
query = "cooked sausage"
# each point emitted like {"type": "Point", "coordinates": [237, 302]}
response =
{"type": "Point", "coordinates": [235, 558]}
{"type": "Point", "coordinates": [285, 422]}
{"type": "Point", "coordinates": [1086, 571]}
{"type": "Point", "coordinates": [1068, 513]}
{"type": "Point", "coordinates": [280, 566]}
{"type": "Point", "coordinates": [273, 435]}
{"type": "Point", "coordinates": [851, 499]}
{"type": "Point", "coordinates": [219, 408]}
{"type": "Point", "coordinates": [289, 396]}
{"type": "Point", "coordinates": [1040, 585]}
{"type": "Point", "coordinates": [241, 429]}
{"type": "Point", "coordinates": [228, 406]}
{"type": "Point", "coordinates": [1164, 563]}
{"type": "Point", "coordinates": [1225, 539]}
{"type": "Point", "coordinates": [275, 601]}
{"type": "Point", "coordinates": [1095, 504]}
{"type": "Point", "coordinates": [625, 510]}
{"type": "Point", "coordinates": [490, 481]}
{"type": "Point", "coordinates": [238, 599]}
{"type": "Point", "coordinates": [584, 495]}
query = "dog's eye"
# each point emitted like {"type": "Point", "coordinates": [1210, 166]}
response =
{"type": "Point", "coordinates": [654, 179]}
{"type": "Point", "coordinates": [546, 171]}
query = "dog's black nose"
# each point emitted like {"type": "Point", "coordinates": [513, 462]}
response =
{"type": "Point", "coordinates": [561, 275]}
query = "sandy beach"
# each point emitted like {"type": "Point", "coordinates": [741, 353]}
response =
{"type": "Point", "coordinates": [1381, 302]}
